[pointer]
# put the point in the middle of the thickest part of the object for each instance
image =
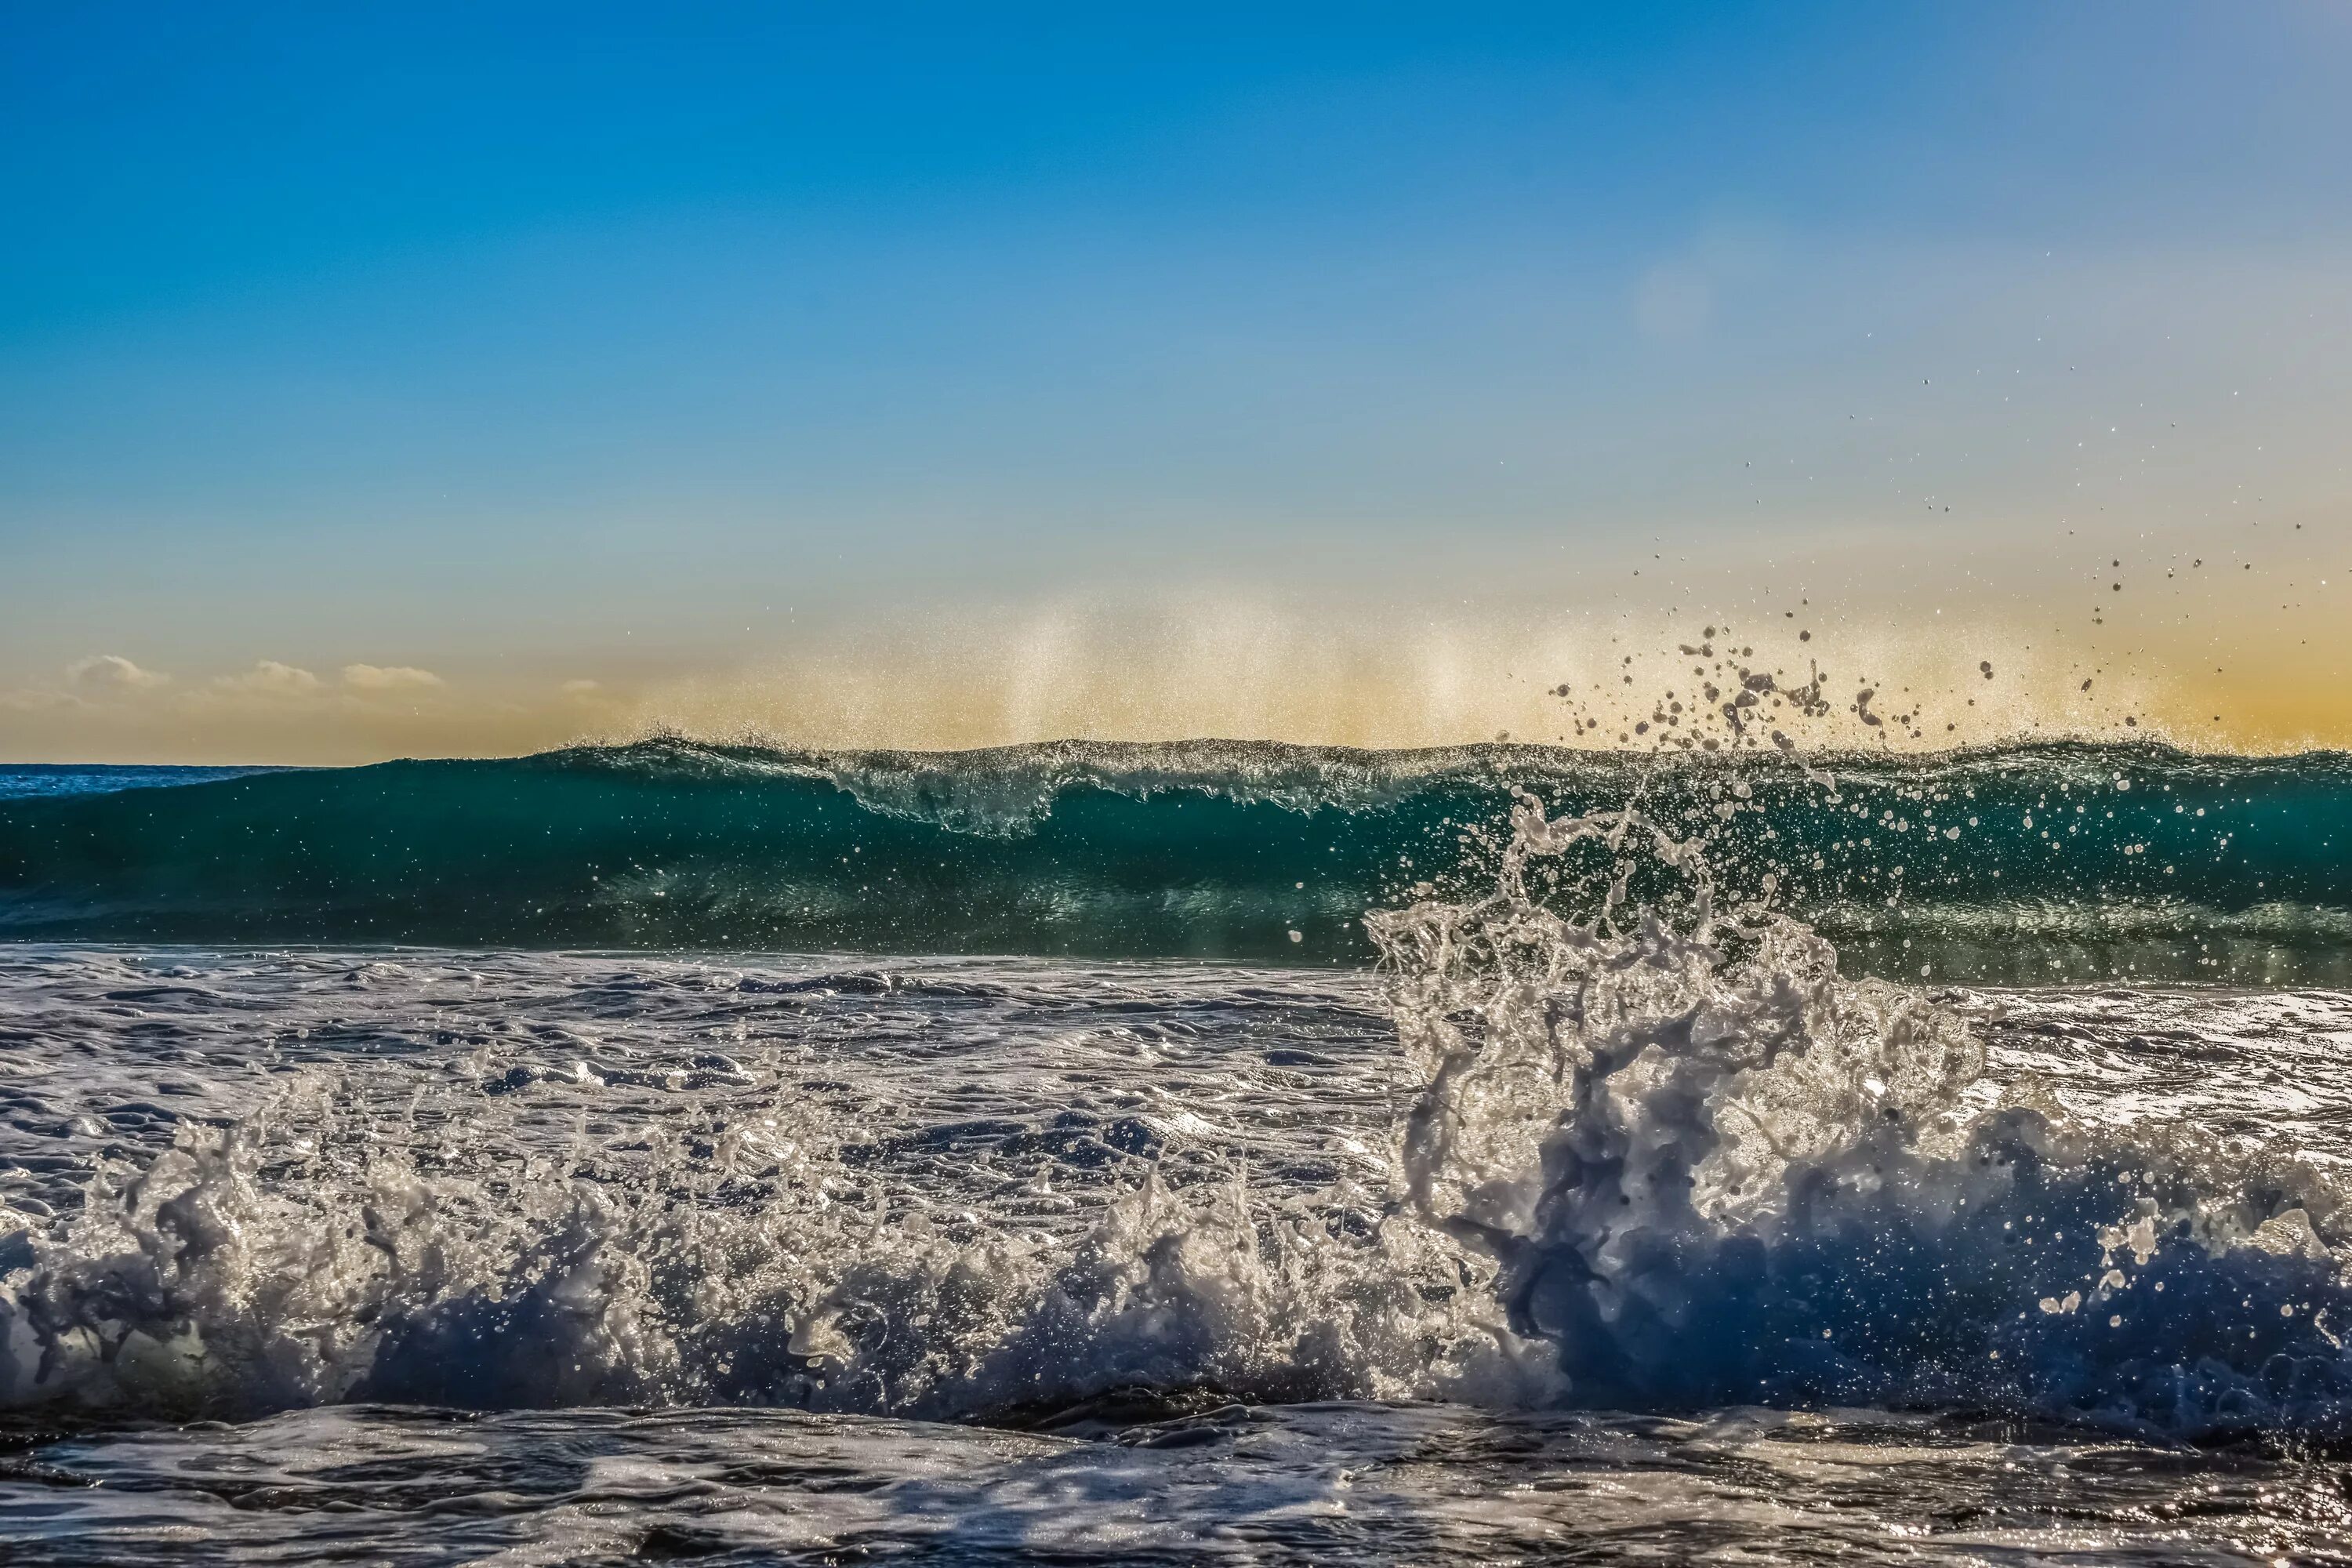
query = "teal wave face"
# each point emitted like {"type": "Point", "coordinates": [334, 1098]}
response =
{"type": "Point", "coordinates": [20, 781]}
{"type": "Point", "coordinates": [2031, 863]}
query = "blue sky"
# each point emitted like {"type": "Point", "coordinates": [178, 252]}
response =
{"type": "Point", "coordinates": [536, 345]}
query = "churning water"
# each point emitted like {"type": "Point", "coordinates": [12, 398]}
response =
{"type": "Point", "coordinates": [1608, 1218]}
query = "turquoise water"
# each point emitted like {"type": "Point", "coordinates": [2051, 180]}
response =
{"type": "Point", "coordinates": [2019, 864]}
{"type": "Point", "coordinates": [29, 780]}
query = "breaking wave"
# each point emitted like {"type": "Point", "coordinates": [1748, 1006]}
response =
{"type": "Point", "coordinates": [1656, 1153]}
{"type": "Point", "coordinates": [2022, 863]}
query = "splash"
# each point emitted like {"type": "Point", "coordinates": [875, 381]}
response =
{"type": "Point", "coordinates": [1711, 1171]}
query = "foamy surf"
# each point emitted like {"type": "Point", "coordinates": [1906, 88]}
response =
{"type": "Point", "coordinates": [1630, 1163]}
{"type": "Point", "coordinates": [683, 1254]}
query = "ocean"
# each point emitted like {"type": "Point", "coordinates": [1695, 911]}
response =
{"type": "Point", "coordinates": [1185, 1153]}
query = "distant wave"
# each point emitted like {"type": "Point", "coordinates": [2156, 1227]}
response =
{"type": "Point", "coordinates": [2017, 862]}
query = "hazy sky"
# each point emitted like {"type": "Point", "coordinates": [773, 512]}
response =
{"type": "Point", "coordinates": [440, 378]}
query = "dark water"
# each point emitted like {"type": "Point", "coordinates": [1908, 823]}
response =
{"type": "Point", "coordinates": [1295, 1484]}
{"type": "Point", "coordinates": [1659, 1237]}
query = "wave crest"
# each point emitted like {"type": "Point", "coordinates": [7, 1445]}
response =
{"type": "Point", "coordinates": [1991, 866]}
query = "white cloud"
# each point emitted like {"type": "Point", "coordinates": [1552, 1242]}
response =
{"type": "Point", "coordinates": [583, 690]}
{"type": "Point", "coordinates": [389, 677]}
{"type": "Point", "coordinates": [112, 672]}
{"type": "Point", "coordinates": [271, 679]}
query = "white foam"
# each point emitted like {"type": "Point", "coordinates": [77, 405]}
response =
{"type": "Point", "coordinates": [1640, 1165]}
{"type": "Point", "coordinates": [1712, 1171]}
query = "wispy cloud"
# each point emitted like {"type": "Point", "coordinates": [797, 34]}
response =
{"type": "Point", "coordinates": [389, 677]}
{"type": "Point", "coordinates": [270, 679]}
{"type": "Point", "coordinates": [112, 672]}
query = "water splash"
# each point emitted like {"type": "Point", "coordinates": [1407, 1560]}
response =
{"type": "Point", "coordinates": [1711, 1171]}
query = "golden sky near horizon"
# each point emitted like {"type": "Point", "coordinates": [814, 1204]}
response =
{"type": "Point", "coordinates": [2238, 650]}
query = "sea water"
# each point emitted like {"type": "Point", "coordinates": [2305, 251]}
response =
{"type": "Point", "coordinates": [1696, 1162]}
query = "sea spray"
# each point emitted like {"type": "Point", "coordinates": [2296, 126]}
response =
{"type": "Point", "coordinates": [1711, 1171]}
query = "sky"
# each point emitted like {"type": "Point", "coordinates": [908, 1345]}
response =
{"type": "Point", "coordinates": [451, 379]}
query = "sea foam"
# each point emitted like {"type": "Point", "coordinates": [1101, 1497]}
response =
{"type": "Point", "coordinates": [1650, 1156]}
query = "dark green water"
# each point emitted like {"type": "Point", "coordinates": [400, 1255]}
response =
{"type": "Point", "coordinates": [2028, 863]}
